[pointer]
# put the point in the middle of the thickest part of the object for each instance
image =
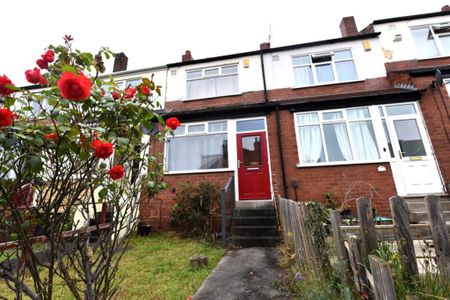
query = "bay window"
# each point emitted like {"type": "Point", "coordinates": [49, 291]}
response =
{"type": "Point", "coordinates": [432, 40]}
{"type": "Point", "coordinates": [212, 82]}
{"type": "Point", "coordinates": [341, 135]}
{"type": "Point", "coordinates": [325, 67]}
{"type": "Point", "coordinates": [198, 146]}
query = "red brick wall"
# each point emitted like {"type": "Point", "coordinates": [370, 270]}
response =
{"type": "Point", "coordinates": [156, 211]}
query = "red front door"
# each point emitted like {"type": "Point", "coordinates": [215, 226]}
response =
{"type": "Point", "coordinates": [253, 167]}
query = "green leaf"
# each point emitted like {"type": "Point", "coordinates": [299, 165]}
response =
{"type": "Point", "coordinates": [124, 141]}
{"type": "Point", "coordinates": [69, 68]}
{"type": "Point", "coordinates": [35, 164]}
{"type": "Point", "coordinates": [103, 193]}
{"type": "Point", "coordinates": [12, 87]}
{"type": "Point", "coordinates": [84, 155]}
{"type": "Point", "coordinates": [9, 101]}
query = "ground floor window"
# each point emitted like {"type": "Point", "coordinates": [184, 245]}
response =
{"type": "Point", "coordinates": [198, 146]}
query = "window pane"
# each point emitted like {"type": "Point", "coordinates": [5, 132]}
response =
{"type": "Point", "coordinates": [134, 82]}
{"type": "Point", "coordinates": [358, 113]}
{"type": "Point", "coordinates": [380, 109]}
{"type": "Point", "coordinates": [409, 138]}
{"type": "Point", "coordinates": [181, 130]}
{"type": "Point", "coordinates": [363, 140]}
{"type": "Point", "coordinates": [217, 126]}
{"type": "Point", "coordinates": [196, 128]}
{"type": "Point", "coordinates": [346, 70]}
{"type": "Point", "coordinates": [229, 70]}
{"type": "Point", "coordinates": [194, 74]}
{"type": "Point", "coordinates": [333, 115]}
{"type": "Point", "coordinates": [301, 60]}
{"type": "Point", "coordinates": [303, 76]}
{"type": "Point", "coordinates": [310, 140]}
{"type": "Point", "coordinates": [337, 143]}
{"type": "Point", "coordinates": [388, 138]}
{"type": "Point", "coordinates": [425, 44]}
{"type": "Point", "coordinates": [251, 151]}
{"type": "Point", "coordinates": [250, 125]}
{"type": "Point", "coordinates": [201, 88]}
{"type": "Point", "coordinates": [226, 85]}
{"type": "Point", "coordinates": [404, 109]}
{"type": "Point", "coordinates": [205, 152]}
{"type": "Point", "coordinates": [343, 54]}
{"type": "Point", "coordinates": [445, 41]}
{"type": "Point", "coordinates": [321, 58]}
{"type": "Point", "coordinates": [307, 118]}
{"type": "Point", "coordinates": [324, 73]}
{"type": "Point", "coordinates": [211, 72]}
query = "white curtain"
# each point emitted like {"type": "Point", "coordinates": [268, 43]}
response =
{"type": "Point", "coordinates": [342, 138]}
{"type": "Point", "coordinates": [363, 139]}
{"type": "Point", "coordinates": [310, 143]}
{"type": "Point", "coordinates": [201, 88]}
{"type": "Point", "coordinates": [303, 76]}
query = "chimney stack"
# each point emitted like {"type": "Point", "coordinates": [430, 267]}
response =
{"type": "Point", "coordinates": [445, 8]}
{"type": "Point", "coordinates": [187, 56]}
{"type": "Point", "coordinates": [120, 62]}
{"type": "Point", "coordinates": [348, 26]}
{"type": "Point", "coordinates": [264, 46]}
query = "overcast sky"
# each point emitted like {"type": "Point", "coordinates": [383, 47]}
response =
{"type": "Point", "coordinates": [153, 33]}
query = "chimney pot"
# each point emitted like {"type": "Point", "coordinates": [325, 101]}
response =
{"type": "Point", "coordinates": [187, 56]}
{"type": "Point", "coordinates": [348, 26]}
{"type": "Point", "coordinates": [120, 62]}
{"type": "Point", "coordinates": [264, 46]}
{"type": "Point", "coordinates": [445, 8]}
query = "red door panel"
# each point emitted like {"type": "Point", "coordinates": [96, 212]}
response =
{"type": "Point", "coordinates": [253, 166]}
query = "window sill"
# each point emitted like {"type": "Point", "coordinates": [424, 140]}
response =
{"type": "Point", "coordinates": [213, 97]}
{"type": "Point", "coordinates": [327, 83]}
{"type": "Point", "coordinates": [198, 171]}
{"type": "Point", "coordinates": [343, 163]}
{"type": "Point", "coordinates": [433, 57]}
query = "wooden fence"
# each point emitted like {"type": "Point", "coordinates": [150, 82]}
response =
{"type": "Point", "coordinates": [355, 244]}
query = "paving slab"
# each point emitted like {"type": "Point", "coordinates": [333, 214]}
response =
{"type": "Point", "coordinates": [247, 273]}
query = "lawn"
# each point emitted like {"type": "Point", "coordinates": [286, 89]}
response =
{"type": "Point", "coordinates": [157, 267]}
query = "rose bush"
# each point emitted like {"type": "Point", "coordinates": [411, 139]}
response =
{"type": "Point", "coordinates": [64, 148]}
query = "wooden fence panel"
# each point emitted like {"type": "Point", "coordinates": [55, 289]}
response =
{"type": "Point", "coordinates": [355, 245]}
{"type": "Point", "coordinates": [306, 235]}
{"type": "Point", "coordinates": [367, 229]}
{"type": "Point", "coordinates": [382, 277]}
{"type": "Point", "coordinates": [298, 243]}
{"type": "Point", "coordinates": [400, 218]}
{"type": "Point", "coordinates": [439, 232]}
{"type": "Point", "coordinates": [341, 252]}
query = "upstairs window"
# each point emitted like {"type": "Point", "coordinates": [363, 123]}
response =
{"type": "Point", "coordinates": [325, 67]}
{"type": "Point", "coordinates": [212, 82]}
{"type": "Point", "coordinates": [432, 41]}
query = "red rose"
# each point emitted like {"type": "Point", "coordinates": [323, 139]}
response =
{"type": "Point", "coordinates": [42, 63]}
{"type": "Point", "coordinates": [129, 92]}
{"type": "Point", "coordinates": [116, 95]}
{"type": "Point", "coordinates": [6, 117]}
{"type": "Point", "coordinates": [51, 136]}
{"type": "Point", "coordinates": [96, 143]}
{"type": "Point", "coordinates": [116, 172]}
{"type": "Point", "coordinates": [33, 76]}
{"type": "Point", "coordinates": [173, 123]}
{"type": "Point", "coordinates": [42, 81]}
{"type": "Point", "coordinates": [4, 91]}
{"type": "Point", "coordinates": [74, 87]}
{"type": "Point", "coordinates": [48, 56]}
{"type": "Point", "coordinates": [102, 149]}
{"type": "Point", "coordinates": [145, 90]}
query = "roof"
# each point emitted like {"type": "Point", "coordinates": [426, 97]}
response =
{"type": "Point", "coordinates": [412, 17]}
{"type": "Point", "coordinates": [277, 49]}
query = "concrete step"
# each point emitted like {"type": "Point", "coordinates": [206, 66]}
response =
{"type": "Point", "coordinates": [254, 212]}
{"type": "Point", "coordinates": [421, 217]}
{"type": "Point", "coordinates": [412, 199]}
{"type": "Point", "coordinates": [417, 206]}
{"type": "Point", "coordinates": [254, 231]}
{"type": "Point", "coordinates": [262, 241]}
{"type": "Point", "coordinates": [255, 221]}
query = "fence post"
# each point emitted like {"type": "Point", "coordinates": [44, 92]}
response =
{"type": "Point", "coordinates": [296, 233]}
{"type": "Point", "coordinates": [337, 235]}
{"type": "Point", "coordinates": [402, 231]}
{"type": "Point", "coordinates": [355, 246]}
{"type": "Point", "coordinates": [439, 232]}
{"type": "Point", "coordinates": [223, 211]}
{"type": "Point", "coordinates": [382, 279]}
{"type": "Point", "coordinates": [305, 234]}
{"type": "Point", "coordinates": [367, 227]}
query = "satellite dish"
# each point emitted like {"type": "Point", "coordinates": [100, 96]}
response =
{"type": "Point", "coordinates": [438, 78]}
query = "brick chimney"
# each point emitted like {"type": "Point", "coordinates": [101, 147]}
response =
{"type": "Point", "coordinates": [348, 26]}
{"type": "Point", "coordinates": [187, 56]}
{"type": "Point", "coordinates": [264, 46]}
{"type": "Point", "coordinates": [445, 8]}
{"type": "Point", "coordinates": [120, 62]}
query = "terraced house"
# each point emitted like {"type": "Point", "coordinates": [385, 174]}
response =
{"type": "Point", "coordinates": [365, 114]}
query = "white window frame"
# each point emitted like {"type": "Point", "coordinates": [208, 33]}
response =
{"type": "Point", "coordinates": [376, 124]}
{"type": "Point", "coordinates": [202, 133]}
{"type": "Point", "coordinates": [203, 76]}
{"type": "Point", "coordinates": [436, 39]}
{"type": "Point", "coordinates": [333, 67]}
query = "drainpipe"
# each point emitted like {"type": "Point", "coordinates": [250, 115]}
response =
{"type": "Point", "coordinates": [279, 137]}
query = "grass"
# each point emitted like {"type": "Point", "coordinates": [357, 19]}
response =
{"type": "Point", "coordinates": [157, 267]}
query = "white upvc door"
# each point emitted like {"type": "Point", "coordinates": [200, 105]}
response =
{"type": "Point", "coordinates": [413, 164]}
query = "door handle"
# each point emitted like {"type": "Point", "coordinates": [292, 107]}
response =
{"type": "Point", "coordinates": [251, 169]}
